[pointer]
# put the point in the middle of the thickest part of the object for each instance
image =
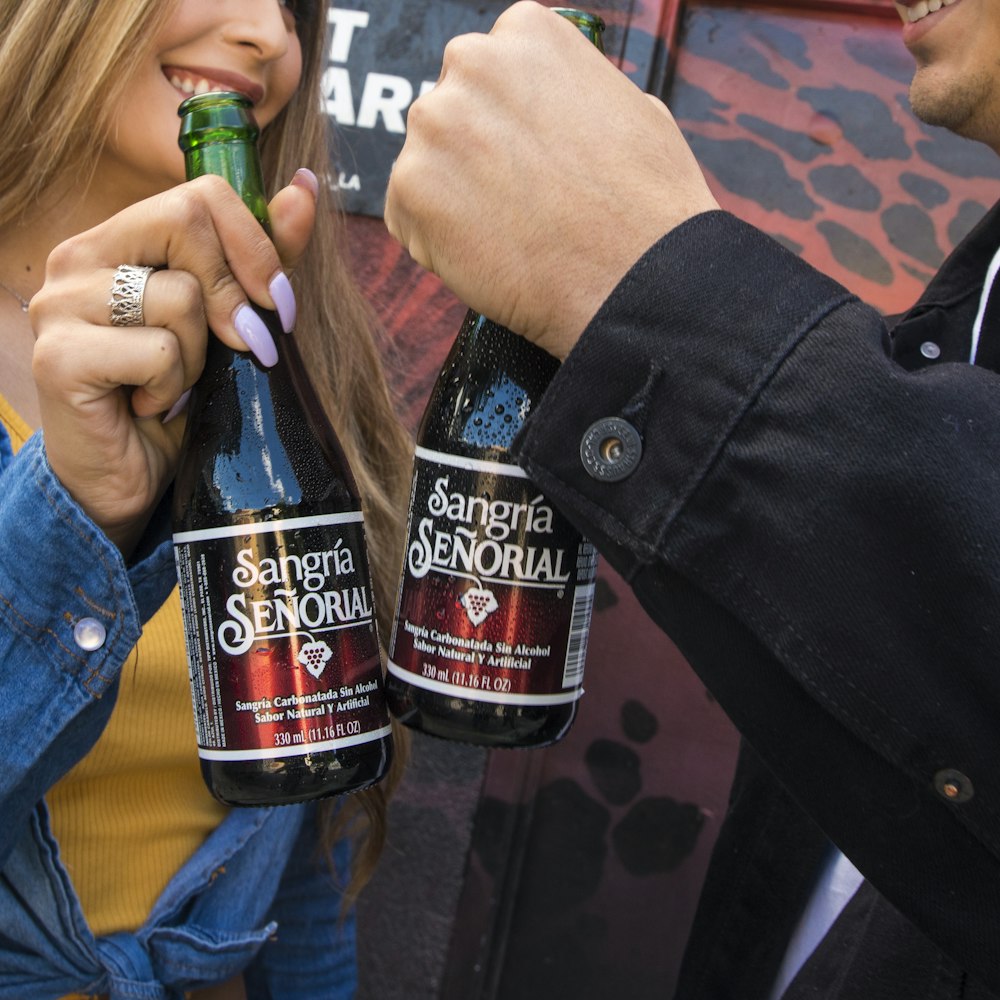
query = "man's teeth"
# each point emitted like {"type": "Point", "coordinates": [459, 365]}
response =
{"type": "Point", "coordinates": [203, 86]}
{"type": "Point", "coordinates": [922, 9]}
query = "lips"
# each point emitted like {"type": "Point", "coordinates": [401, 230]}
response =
{"type": "Point", "coordinates": [190, 80]}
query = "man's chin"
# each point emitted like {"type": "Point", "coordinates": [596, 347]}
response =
{"type": "Point", "coordinates": [959, 105]}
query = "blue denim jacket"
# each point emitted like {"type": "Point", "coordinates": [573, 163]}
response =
{"type": "Point", "coordinates": [253, 897]}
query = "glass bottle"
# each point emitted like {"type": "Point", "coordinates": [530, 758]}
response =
{"type": "Point", "coordinates": [493, 610]}
{"type": "Point", "coordinates": [269, 541]}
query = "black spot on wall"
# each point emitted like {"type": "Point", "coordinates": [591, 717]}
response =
{"type": "Point", "coordinates": [911, 229]}
{"type": "Point", "coordinates": [864, 118]}
{"type": "Point", "coordinates": [789, 244]}
{"type": "Point", "coordinates": [656, 835]}
{"type": "Point", "coordinates": [564, 863]}
{"type": "Point", "coordinates": [968, 215]}
{"type": "Point", "coordinates": [638, 722]}
{"type": "Point", "coordinates": [615, 770]}
{"type": "Point", "coordinates": [959, 157]}
{"type": "Point", "coordinates": [723, 38]}
{"type": "Point", "coordinates": [796, 144]}
{"type": "Point", "coordinates": [642, 49]}
{"type": "Point", "coordinates": [847, 186]}
{"type": "Point", "coordinates": [855, 252]}
{"type": "Point", "coordinates": [490, 842]}
{"type": "Point", "coordinates": [927, 191]}
{"type": "Point", "coordinates": [604, 595]}
{"type": "Point", "coordinates": [753, 172]}
{"type": "Point", "coordinates": [951, 153]}
{"type": "Point", "coordinates": [691, 103]}
{"type": "Point", "coordinates": [789, 45]}
{"type": "Point", "coordinates": [892, 61]}
{"type": "Point", "coordinates": [923, 277]}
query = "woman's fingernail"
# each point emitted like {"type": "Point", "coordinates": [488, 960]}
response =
{"type": "Point", "coordinates": [178, 407]}
{"type": "Point", "coordinates": [255, 335]}
{"type": "Point", "coordinates": [304, 177]}
{"type": "Point", "coordinates": [284, 300]}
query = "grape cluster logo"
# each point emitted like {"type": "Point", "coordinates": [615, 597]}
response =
{"type": "Point", "coordinates": [314, 656]}
{"type": "Point", "coordinates": [479, 604]}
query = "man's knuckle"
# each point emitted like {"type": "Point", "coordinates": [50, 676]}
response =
{"type": "Point", "coordinates": [417, 114]}
{"type": "Point", "coordinates": [521, 13]}
{"type": "Point", "coordinates": [461, 51]}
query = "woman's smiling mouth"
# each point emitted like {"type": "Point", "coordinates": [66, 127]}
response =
{"type": "Point", "coordinates": [197, 80]}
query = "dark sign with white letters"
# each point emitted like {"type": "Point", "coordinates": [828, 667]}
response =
{"type": "Point", "coordinates": [382, 55]}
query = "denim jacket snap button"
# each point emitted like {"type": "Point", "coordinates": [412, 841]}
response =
{"type": "Point", "coordinates": [610, 449]}
{"type": "Point", "coordinates": [953, 785]}
{"type": "Point", "coordinates": [89, 634]}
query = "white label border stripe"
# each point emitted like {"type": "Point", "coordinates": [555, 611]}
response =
{"type": "Point", "coordinates": [295, 751]}
{"type": "Point", "coordinates": [471, 464]}
{"type": "Point", "coordinates": [478, 694]}
{"type": "Point", "coordinates": [268, 527]}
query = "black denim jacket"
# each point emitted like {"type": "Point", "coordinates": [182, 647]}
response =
{"type": "Point", "coordinates": [814, 522]}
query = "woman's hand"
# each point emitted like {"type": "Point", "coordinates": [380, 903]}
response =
{"type": "Point", "coordinates": [535, 174]}
{"type": "Point", "coordinates": [104, 390]}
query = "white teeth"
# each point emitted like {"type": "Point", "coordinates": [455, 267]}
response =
{"type": "Point", "coordinates": [921, 9]}
{"type": "Point", "coordinates": [189, 87]}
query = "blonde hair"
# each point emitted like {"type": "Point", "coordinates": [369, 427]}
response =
{"type": "Point", "coordinates": [64, 69]}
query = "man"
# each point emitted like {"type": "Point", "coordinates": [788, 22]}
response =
{"type": "Point", "coordinates": [806, 502]}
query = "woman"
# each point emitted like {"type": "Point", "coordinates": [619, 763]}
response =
{"type": "Point", "coordinates": [121, 876]}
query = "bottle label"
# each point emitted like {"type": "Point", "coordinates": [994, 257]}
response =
{"type": "Point", "coordinates": [497, 587]}
{"type": "Point", "coordinates": [281, 638]}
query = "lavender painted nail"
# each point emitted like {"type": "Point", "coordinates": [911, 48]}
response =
{"type": "Point", "coordinates": [284, 301]}
{"type": "Point", "coordinates": [178, 407]}
{"type": "Point", "coordinates": [256, 335]}
{"type": "Point", "coordinates": [304, 177]}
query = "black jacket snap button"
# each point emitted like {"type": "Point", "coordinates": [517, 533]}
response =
{"type": "Point", "coordinates": [610, 449]}
{"type": "Point", "coordinates": [953, 785]}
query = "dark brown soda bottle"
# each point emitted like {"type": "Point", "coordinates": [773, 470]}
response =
{"type": "Point", "coordinates": [492, 616]}
{"type": "Point", "coordinates": [284, 662]}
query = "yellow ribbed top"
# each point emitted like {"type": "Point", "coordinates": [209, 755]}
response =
{"type": "Point", "coordinates": [135, 808]}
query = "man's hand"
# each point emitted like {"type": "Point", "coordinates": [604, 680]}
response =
{"type": "Point", "coordinates": [535, 174]}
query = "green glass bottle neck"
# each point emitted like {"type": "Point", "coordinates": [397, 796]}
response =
{"type": "Point", "coordinates": [219, 136]}
{"type": "Point", "coordinates": [590, 24]}
{"type": "Point", "coordinates": [239, 163]}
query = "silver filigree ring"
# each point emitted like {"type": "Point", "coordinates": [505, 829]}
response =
{"type": "Point", "coordinates": [127, 291]}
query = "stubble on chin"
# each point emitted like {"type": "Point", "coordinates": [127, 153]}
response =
{"type": "Point", "coordinates": [932, 104]}
{"type": "Point", "coordinates": [962, 106]}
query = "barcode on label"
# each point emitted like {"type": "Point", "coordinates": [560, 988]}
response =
{"type": "Point", "coordinates": [579, 629]}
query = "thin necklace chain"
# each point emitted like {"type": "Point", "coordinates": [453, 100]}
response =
{"type": "Point", "coordinates": [22, 301]}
